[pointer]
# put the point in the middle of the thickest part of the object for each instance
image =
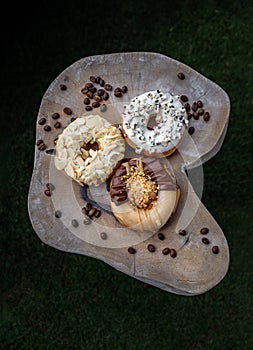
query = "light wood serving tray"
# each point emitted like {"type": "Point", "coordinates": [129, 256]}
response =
{"type": "Point", "coordinates": [195, 269]}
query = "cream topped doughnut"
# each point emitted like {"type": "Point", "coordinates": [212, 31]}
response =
{"type": "Point", "coordinates": [144, 194]}
{"type": "Point", "coordinates": [154, 123]}
{"type": "Point", "coordinates": [89, 149]}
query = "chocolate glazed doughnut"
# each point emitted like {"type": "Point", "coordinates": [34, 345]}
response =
{"type": "Point", "coordinates": [144, 194]}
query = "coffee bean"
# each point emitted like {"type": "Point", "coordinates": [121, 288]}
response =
{"type": "Point", "coordinates": [103, 108]}
{"type": "Point", "coordinates": [84, 90]}
{"type": "Point", "coordinates": [88, 206]}
{"type": "Point", "coordinates": [173, 253]}
{"type": "Point", "coordinates": [47, 192]}
{"type": "Point", "coordinates": [63, 87]}
{"type": "Point", "coordinates": [50, 186]}
{"type": "Point", "coordinates": [131, 250]}
{"type": "Point", "coordinates": [97, 98]}
{"type": "Point", "coordinates": [200, 104]}
{"type": "Point", "coordinates": [98, 80]}
{"type": "Point", "coordinates": [151, 248]}
{"type": "Point", "coordinates": [206, 116]}
{"type": "Point", "coordinates": [67, 110]}
{"type": "Point", "coordinates": [88, 85]}
{"type": "Point", "coordinates": [74, 223]}
{"type": "Point", "coordinates": [181, 76]}
{"type": "Point", "coordinates": [42, 147]}
{"type": "Point", "coordinates": [108, 87]}
{"type": "Point", "coordinates": [92, 212]}
{"type": "Point", "coordinates": [204, 231]}
{"type": "Point", "coordinates": [39, 142]}
{"type": "Point", "coordinates": [93, 89]}
{"type": "Point", "coordinates": [57, 214]}
{"type": "Point", "coordinates": [118, 92]}
{"type": "Point", "coordinates": [187, 107]}
{"type": "Point", "coordinates": [47, 127]}
{"type": "Point", "coordinates": [90, 94]}
{"type": "Point", "coordinates": [57, 125]}
{"type": "Point", "coordinates": [42, 121]}
{"type": "Point", "coordinates": [201, 111]}
{"type": "Point", "coordinates": [100, 92]}
{"type": "Point", "coordinates": [101, 82]}
{"type": "Point", "coordinates": [184, 98]}
{"type": "Point", "coordinates": [72, 119]}
{"type": "Point", "coordinates": [191, 130]}
{"type": "Point", "coordinates": [103, 235]}
{"type": "Point", "coordinates": [189, 116]}
{"type": "Point", "coordinates": [182, 232]}
{"type": "Point", "coordinates": [86, 101]}
{"type": "Point", "coordinates": [86, 221]}
{"type": "Point", "coordinates": [55, 116]}
{"type": "Point", "coordinates": [85, 211]}
{"type": "Point", "coordinates": [166, 251]}
{"type": "Point", "coordinates": [161, 236]}
{"type": "Point", "coordinates": [215, 249]}
{"type": "Point", "coordinates": [88, 108]}
{"type": "Point", "coordinates": [97, 213]}
{"type": "Point", "coordinates": [194, 106]}
{"type": "Point", "coordinates": [95, 104]}
{"type": "Point", "coordinates": [195, 115]}
{"type": "Point", "coordinates": [92, 79]}
{"type": "Point", "coordinates": [205, 240]}
{"type": "Point", "coordinates": [124, 89]}
{"type": "Point", "coordinates": [105, 96]}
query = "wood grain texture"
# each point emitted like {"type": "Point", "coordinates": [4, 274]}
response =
{"type": "Point", "coordinates": [195, 269]}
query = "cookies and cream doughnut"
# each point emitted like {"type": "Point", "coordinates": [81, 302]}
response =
{"type": "Point", "coordinates": [144, 194]}
{"type": "Point", "coordinates": [89, 149]}
{"type": "Point", "coordinates": [154, 123]}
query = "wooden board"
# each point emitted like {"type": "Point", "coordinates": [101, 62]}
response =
{"type": "Point", "coordinates": [195, 269]}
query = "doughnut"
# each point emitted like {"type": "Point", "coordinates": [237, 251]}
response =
{"type": "Point", "coordinates": [89, 149]}
{"type": "Point", "coordinates": [143, 194]}
{"type": "Point", "coordinates": [154, 123]}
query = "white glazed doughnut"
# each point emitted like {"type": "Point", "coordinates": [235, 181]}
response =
{"type": "Point", "coordinates": [89, 149]}
{"type": "Point", "coordinates": [154, 123]}
{"type": "Point", "coordinates": [144, 194]}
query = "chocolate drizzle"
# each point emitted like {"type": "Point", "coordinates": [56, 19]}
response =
{"type": "Point", "coordinates": [152, 167]}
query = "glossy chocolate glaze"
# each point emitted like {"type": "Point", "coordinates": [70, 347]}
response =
{"type": "Point", "coordinates": [151, 167]}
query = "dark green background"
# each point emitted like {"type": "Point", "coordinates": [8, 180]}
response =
{"type": "Point", "coordinates": [53, 300]}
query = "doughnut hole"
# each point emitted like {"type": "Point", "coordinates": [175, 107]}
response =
{"type": "Point", "coordinates": [152, 123]}
{"type": "Point", "coordinates": [91, 145]}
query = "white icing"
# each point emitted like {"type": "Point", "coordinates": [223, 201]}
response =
{"type": "Point", "coordinates": [171, 119]}
{"type": "Point", "coordinates": [89, 166]}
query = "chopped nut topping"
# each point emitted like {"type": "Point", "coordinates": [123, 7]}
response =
{"type": "Point", "coordinates": [142, 191]}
